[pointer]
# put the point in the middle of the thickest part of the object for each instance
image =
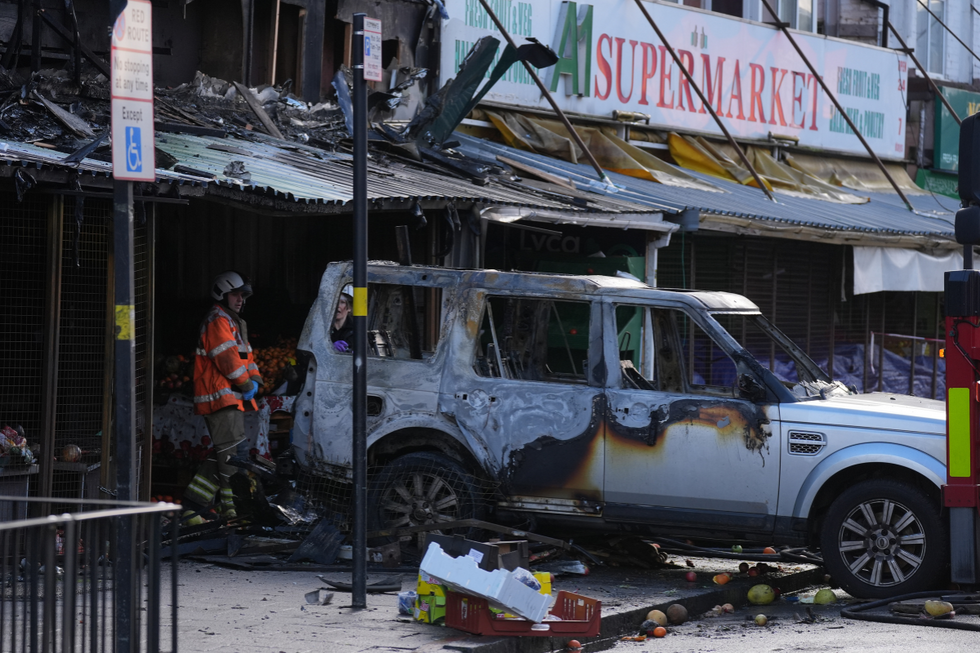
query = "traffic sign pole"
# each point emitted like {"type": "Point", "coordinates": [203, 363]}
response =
{"type": "Point", "coordinates": [359, 403]}
{"type": "Point", "coordinates": [132, 160]}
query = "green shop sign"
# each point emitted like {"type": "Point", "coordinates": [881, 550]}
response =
{"type": "Point", "coordinates": [946, 154]}
{"type": "Point", "coordinates": [941, 183]}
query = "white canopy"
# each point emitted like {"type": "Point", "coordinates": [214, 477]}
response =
{"type": "Point", "coordinates": [893, 268]}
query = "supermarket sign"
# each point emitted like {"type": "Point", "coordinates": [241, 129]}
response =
{"type": "Point", "coordinates": [610, 58]}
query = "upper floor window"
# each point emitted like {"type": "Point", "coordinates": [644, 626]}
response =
{"type": "Point", "coordinates": [930, 36]}
{"type": "Point", "coordinates": [799, 14]}
{"type": "Point", "coordinates": [729, 7]}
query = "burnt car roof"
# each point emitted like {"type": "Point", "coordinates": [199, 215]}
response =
{"type": "Point", "coordinates": [714, 301]}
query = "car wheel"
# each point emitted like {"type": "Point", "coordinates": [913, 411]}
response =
{"type": "Point", "coordinates": [882, 538]}
{"type": "Point", "coordinates": [423, 489]}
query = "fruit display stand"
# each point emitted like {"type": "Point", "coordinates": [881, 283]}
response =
{"type": "Point", "coordinates": [82, 477]}
{"type": "Point", "coordinates": [15, 482]}
{"type": "Point", "coordinates": [579, 615]}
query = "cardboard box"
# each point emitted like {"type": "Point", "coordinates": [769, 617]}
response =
{"type": "Point", "coordinates": [430, 609]}
{"type": "Point", "coordinates": [499, 587]}
{"type": "Point", "coordinates": [512, 554]}
{"type": "Point", "coordinates": [487, 556]}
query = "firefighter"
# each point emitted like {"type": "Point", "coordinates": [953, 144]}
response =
{"type": "Point", "coordinates": [225, 382]}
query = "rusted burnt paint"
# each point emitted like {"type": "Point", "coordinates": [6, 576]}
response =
{"type": "Point", "coordinates": [560, 467]}
{"type": "Point", "coordinates": [727, 418]}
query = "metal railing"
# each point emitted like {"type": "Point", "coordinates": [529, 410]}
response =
{"type": "Point", "coordinates": [87, 581]}
{"type": "Point", "coordinates": [917, 370]}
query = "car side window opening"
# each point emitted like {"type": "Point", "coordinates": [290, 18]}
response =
{"type": "Point", "coordinates": [534, 339]}
{"type": "Point", "coordinates": [637, 353]}
{"type": "Point", "coordinates": [664, 349]}
{"type": "Point", "coordinates": [400, 322]}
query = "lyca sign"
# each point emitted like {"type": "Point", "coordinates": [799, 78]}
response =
{"type": "Point", "coordinates": [610, 58]}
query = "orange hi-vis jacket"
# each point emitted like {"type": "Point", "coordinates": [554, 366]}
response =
{"type": "Point", "coordinates": [224, 360]}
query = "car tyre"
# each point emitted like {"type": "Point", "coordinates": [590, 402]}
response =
{"type": "Point", "coordinates": [423, 489]}
{"type": "Point", "coordinates": [882, 538]}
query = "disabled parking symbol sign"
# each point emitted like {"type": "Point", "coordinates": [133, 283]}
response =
{"type": "Point", "coordinates": [134, 149]}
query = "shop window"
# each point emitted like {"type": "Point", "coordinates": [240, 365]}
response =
{"type": "Point", "coordinates": [403, 320]}
{"type": "Point", "coordinates": [534, 339]}
{"type": "Point", "coordinates": [930, 36]}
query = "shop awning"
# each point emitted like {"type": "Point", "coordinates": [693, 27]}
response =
{"type": "Point", "coordinates": [285, 177]}
{"type": "Point", "coordinates": [883, 220]}
{"type": "Point", "coordinates": [890, 268]}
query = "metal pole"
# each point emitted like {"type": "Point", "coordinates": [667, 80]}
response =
{"type": "Point", "coordinates": [907, 50]}
{"type": "Point", "coordinates": [850, 123]}
{"type": "Point", "coordinates": [125, 415]}
{"type": "Point", "coordinates": [704, 101]}
{"type": "Point", "coordinates": [359, 588]}
{"type": "Point", "coordinates": [938, 20]}
{"type": "Point", "coordinates": [547, 94]}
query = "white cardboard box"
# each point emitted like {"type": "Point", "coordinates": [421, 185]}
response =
{"type": "Point", "coordinates": [499, 586]}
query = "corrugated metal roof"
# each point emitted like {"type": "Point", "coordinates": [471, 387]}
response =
{"type": "Point", "coordinates": [301, 173]}
{"type": "Point", "coordinates": [884, 214]}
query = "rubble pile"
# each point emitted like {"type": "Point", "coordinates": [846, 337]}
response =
{"type": "Point", "coordinates": [51, 110]}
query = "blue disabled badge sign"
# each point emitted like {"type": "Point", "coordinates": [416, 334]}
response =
{"type": "Point", "coordinates": [132, 94]}
{"type": "Point", "coordinates": [372, 50]}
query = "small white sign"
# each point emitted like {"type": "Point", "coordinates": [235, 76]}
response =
{"type": "Point", "coordinates": [372, 50]}
{"type": "Point", "coordinates": [132, 94]}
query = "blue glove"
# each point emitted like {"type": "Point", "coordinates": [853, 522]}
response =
{"type": "Point", "coordinates": [248, 393]}
{"type": "Point", "coordinates": [340, 345]}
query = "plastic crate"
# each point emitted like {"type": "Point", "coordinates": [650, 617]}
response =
{"type": "Point", "coordinates": [579, 615]}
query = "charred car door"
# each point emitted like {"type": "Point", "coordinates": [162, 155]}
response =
{"type": "Point", "coordinates": [530, 395]}
{"type": "Point", "coordinates": [687, 437]}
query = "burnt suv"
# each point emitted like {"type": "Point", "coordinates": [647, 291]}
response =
{"type": "Point", "coordinates": [602, 403]}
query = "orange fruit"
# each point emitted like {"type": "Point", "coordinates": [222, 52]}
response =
{"type": "Point", "coordinates": [659, 631]}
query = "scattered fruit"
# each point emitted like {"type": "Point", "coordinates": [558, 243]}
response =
{"type": "Point", "coordinates": [769, 550]}
{"type": "Point", "coordinates": [690, 576]}
{"type": "Point", "coordinates": [743, 568]}
{"type": "Point", "coordinates": [761, 620]}
{"type": "Point", "coordinates": [72, 453]}
{"type": "Point", "coordinates": [659, 631]}
{"type": "Point", "coordinates": [825, 597]}
{"type": "Point", "coordinates": [761, 595]}
{"type": "Point", "coordinates": [677, 614]}
{"type": "Point", "coordinates": [936, 608]}
{"type": "Point", "coordinates": [736, 548]}
{"type": "Point", "coordinates": [728, 607]}
{"type": "Point", "coordinates": [753, 572]}
{"type": "Point", "coordinates": [658, 616]}
{"type": "Point", "coordinates": [722, 578]}
{"type": "Point", "coordinates": [574, 645]}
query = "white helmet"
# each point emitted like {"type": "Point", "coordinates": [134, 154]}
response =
{"type": "Point", "coordinates": [228, 281]}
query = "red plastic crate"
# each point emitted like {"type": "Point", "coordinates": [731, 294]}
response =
{"type": "Point", "coordinates": [579, 615]}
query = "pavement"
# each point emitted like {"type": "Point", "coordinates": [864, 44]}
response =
{"type": "Point", "coordinates": [225, 610]}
